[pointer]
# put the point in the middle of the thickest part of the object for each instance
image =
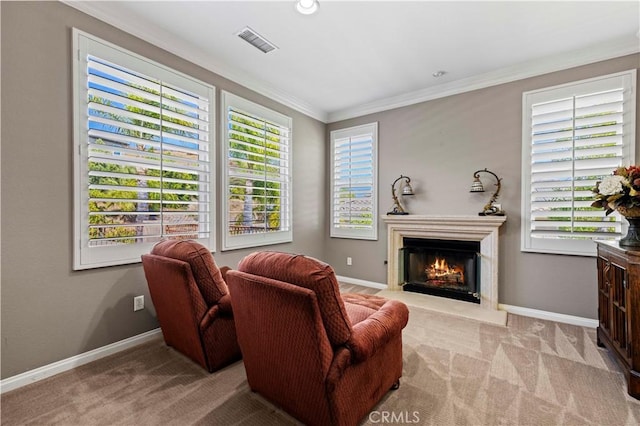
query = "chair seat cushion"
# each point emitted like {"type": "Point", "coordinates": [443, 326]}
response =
{"type": "Point", "coordinates": [361, 306]}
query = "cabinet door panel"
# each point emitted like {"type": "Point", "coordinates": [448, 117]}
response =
{"type": "Point", "coordinates": [618, 294]}
{"type": "Point", "coordinates": [604, 304]}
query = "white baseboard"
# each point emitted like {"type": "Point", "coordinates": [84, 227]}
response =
{"type": "Point", "coordinates": [550, 316]}
{"type": "Point", "coordinates": [363, 283]}
{"type": "Point", "coordinates": [49, 370]}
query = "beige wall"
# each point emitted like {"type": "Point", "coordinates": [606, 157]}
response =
{"type": "Point", "coordinates": [439, 144]}
{"type": "Point", "coordinates": [50, 312]}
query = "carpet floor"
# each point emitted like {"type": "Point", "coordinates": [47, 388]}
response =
{"type": "Point", "coordinates": [456, 372]}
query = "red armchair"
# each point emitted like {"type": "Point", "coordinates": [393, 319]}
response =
{"type": "Point", "coordinates": [325, 358]}
{"type": "Point", "coordinates": [192, 302]}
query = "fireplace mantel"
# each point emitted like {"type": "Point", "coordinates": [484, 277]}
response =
{"type": "Point", "coordinates": [463, 228]}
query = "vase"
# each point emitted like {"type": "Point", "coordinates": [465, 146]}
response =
{"type": "Point", "coordinates": [632, 214]}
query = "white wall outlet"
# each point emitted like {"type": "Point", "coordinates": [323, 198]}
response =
{"type": "Point", "coordinates": [138, 303]}
{"type": "Point", "coordinates": [349, 261]}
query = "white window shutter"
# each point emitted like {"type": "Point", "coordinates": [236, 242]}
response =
{"type": "Point", "coordinates": [575, 135]}
{"type": "Point", "coordinates": [258, 175]}
{"type": "Point", "coordinates": [144, 171]}
{"type": "Point", "coordinates": [354, 182]}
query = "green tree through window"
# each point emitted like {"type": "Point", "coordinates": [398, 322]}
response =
{"type": "Point", "coordinates": [257, 169]}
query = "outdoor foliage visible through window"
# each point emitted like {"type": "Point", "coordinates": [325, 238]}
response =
{"type": "Point", "coordinates": [143, 171]}
{"type": "Point", "coordinates": [257, 175]}
{"type": "Point", "coordinates": [148, 160]}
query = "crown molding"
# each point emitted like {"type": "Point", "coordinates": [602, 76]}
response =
{"type": "Point", "coordinates": [100, 11]}
{"type": "Point", "coordinates": [601, 52]}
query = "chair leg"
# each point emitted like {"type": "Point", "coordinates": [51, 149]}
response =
{"type": "Point", "coordinates": [395, 385]}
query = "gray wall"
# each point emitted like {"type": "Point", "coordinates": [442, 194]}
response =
{"type": "Point", "coordinates": [50, 312]}
{"type": "Point", "coordinates": [439, 144]}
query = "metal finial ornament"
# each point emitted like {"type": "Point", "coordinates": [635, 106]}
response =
{"type": "Point", "coordinates": [490, 209]}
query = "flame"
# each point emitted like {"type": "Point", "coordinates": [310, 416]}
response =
{"type": "Point", "coordinates": [440, 265]}
{"type": "Point", "coordinates": [441, 269]}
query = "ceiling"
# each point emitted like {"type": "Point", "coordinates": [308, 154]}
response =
{"type": "Point", "coordinates": [357, 57]}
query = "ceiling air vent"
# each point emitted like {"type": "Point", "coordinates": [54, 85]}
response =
{"type": "Point", "coordinates": [256, 40]}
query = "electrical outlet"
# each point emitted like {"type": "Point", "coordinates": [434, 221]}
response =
{"type": "Point", "coordinates": [138, 303]}
{"type": "Point", "coordinates": [349, 261]}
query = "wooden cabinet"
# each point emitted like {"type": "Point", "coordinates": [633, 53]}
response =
{"type": "Point", "coordinates": [619, 308]}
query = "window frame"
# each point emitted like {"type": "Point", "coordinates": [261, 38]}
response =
{"type": "Point", "coordinates": [351, 132]}
{"type": "Point", "coordinates": [83, 44]}
{"type": "Point", "coordinates": [234, 242]}
{"type": "Point", "coordinates": [627, 79]}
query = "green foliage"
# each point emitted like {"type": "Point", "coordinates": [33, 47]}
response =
{"type": "Point", "coordinates": [578, 209]}
{"type": "Point", "coordinates": [116, 192]}
{"type": "Point", "coordinates": [131, 205]}
{"type": "Point", "coordinates": [119, 232]}
{"type": "Point", "coordinates": [586, 229]}
{"type": "Point", "coordinates": [254, 146]}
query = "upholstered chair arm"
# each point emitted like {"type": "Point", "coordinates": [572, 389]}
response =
{"type": "Point", "coordinates": [374, 332]}
{"type": "Point", "coordinates": [368, 336]}
{"type": "Point", "coordinates": [223, 271]}
{"type": "Point", "coordinates": [222, 308]}
{"type": "Point", "coordinates": [224, 305]}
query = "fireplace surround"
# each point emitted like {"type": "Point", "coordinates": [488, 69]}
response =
{"type": "Point", "coordinates": [481, 229]}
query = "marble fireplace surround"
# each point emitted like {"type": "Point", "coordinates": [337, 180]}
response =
{"type": "Point", "coordinates": [459, 228]}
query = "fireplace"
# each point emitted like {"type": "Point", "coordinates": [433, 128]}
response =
{"type": "Point", "coordinates": [446, 268]}
{"type": "Point", "coordinates": [482, 230]}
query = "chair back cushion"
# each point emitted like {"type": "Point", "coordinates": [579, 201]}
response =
{"type": "Point", "coordinates": [285, 348]}
{"type": "Point", "coordinates": [310, 273]}
{"type": "Point", "coordinates": [205, 271]}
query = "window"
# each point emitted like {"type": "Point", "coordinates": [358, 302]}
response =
{"type": "Point", "coordinates": [573, 136]}
{"type": "Point", "coordinates": [143, 168]}
{"type": "Point", "coordinates": [257, 178]}
{"type": "Point", "coordinates": [354, 182]}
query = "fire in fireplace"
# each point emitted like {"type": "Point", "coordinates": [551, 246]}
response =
{"type": "Point", "coordinates": [440, 272]}
{"type": "Point", "coordinates": [442, 268]}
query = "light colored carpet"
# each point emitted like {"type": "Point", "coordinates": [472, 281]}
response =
{"type": "Point", "coordinates": [456, 372]}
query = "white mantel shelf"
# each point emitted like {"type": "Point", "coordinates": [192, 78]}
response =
{"type": "Point", "coordinates": [460, 228]}
{"type": "Point", "coordinates": [467, 221]}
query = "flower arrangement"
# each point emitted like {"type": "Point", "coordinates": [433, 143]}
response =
{"type": "Point", "coordinates": [620, 191]}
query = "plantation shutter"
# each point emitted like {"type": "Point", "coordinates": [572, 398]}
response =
{"type": "Point", "coordinates": [575, 141]}
{"type": "Point", "coordinates": [353, 183]}
{"type": "Point", "coordinates": [146, 151]}
{"type": "Point", "coordinates": [148, 159]}
{"type": "Point", "coordinates": [258, 175]}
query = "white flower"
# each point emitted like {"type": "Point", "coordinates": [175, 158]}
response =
{"type": "Point", "coordinates": [612, 185]}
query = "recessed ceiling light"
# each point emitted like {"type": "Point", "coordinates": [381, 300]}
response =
{"type": "Point", "coordinates": [307, 7]}
{"type": "Point", "coordinates": [438, 74]}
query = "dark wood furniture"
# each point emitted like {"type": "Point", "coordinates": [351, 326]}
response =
{"type": "Point", "coordinates": [619, 308]}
